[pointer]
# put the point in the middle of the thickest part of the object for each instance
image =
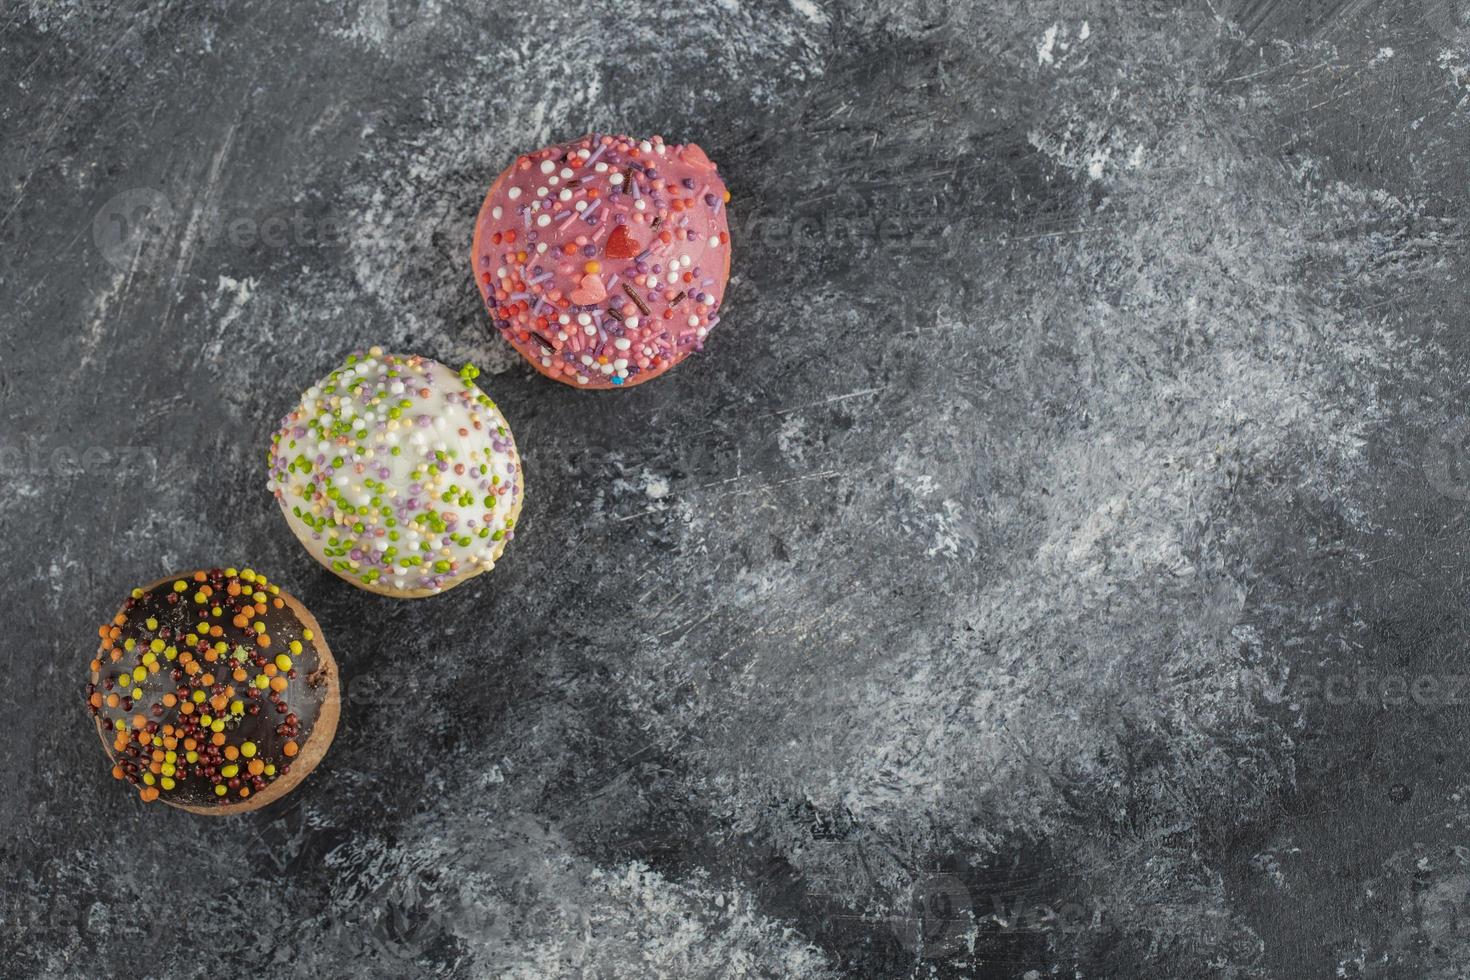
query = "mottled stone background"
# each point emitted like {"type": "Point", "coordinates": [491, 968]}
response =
{"type": "Point", "coordinates": [1055, 566]}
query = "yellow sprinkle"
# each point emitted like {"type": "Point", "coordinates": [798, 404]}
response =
{"type": "Point", "coordinates": [200, 598]}
{"type": "Point", "coordinates": [172, 653]}
{"type": "Point", "coordinates": [232, 573]}
{"type": "Point", "coordinates": [275, 590]}
{"type": "Point", "coordinates": [198, 697]}
{"type": "Point", "coordinates": [181, 586]}
{"type": "Point", "coordinates": [157, 646]}
{"type": "Point", "coordinates": [148, 778]}
{"type": "Point", "coordinates": [191, 757]}
{"type": "Point", "coordinates": [220, 790]}
{"type": "Point", "coordinates": [166, 783]}
{"type": "Point", "coordinates": [248, 575]}
{"type": "Point", "coordinates": [205, 720]}
{"type": "Point", "coordinates": [237, 707]}
{"type": "Point", "coordinates": [270, 769]}
{"type": "Point", "coordinates": [137, 593]}
{"type": "Point", "coordinates": [259, 627]}
{"type": "Point", "coordinates": [202, 629]}
{"type": "Point", "coordinates": [259, 597]}
{"type": "Point", "coordinates": [248, 750]}
{"type": "Point", "coordinates": [130, 644]}
{"type": "Point", "coordinates": [307, 635]}
{"type": "Point", "coordinates": [170, 757]}
{"type": "Point", "coordinates": [230, 771]}
{"type": "Point", "coordinates": [283, 662]}
{"type": "Point", "coordinates": [216, 612]}
{"type": "Point", "coordinates": [150, 658]}
{"type": "Point", "coordinates": [167, 769]}
{"type": "Point", "coordinates": [139, 673]}
{"type": "Point", "coordinates": [218, 725]}
{"type": "Point", "coordinates": [152, 623]}
{"type": "Point", "coordinates": [296, 647]}
{"type": "Point", "coordinates": [137, 694]}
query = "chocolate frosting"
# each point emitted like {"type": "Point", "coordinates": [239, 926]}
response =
{"type": "Point", "coordinates": [184, 711]}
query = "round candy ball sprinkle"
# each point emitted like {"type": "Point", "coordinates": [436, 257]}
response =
{"type": "Point", "coordinates": [604, 260]}
{"type": "Point", "coordinates": [398, 474]}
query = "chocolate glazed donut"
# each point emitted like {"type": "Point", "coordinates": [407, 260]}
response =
{"type": "Point", "coordinates": [214, 692]}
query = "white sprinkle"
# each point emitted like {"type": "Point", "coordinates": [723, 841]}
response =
{"type": "Point", "coordinates": [496, 212]}
{"type": "Point", "coordinates": [694, 321]}
{"type": "Point", "coordinates": [513, 193]}
{"type": "Point", "coordinates": [547, 167]}
{"type": "Point", "coordinates": [565, 172]}
{"type": "Point", "coordinates": [615, 179]}
{"type": "Point", "coordinates": [543, 221]}
{"type": "Point", "coordinates": [622, 343]}
{"type": "Point", "coordinates": [714, 241]}
{"type": "Point", "coordinates": [584, 318]}
{"type": "Point", "coordinates": [565, 195]}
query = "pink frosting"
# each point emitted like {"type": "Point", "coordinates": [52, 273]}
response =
{"type": "Point", "coordinates": [604, 260]}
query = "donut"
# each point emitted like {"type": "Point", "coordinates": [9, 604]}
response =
{"type": "Point", "coordinates": [604, 260]}
{"type": "Point", "coordinates": [213, 691]}
{"type": "Point", "coordinates": [398, 474]}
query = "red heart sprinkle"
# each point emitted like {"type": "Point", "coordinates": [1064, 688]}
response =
{"type": "Point", "coordinates": [621, 244]}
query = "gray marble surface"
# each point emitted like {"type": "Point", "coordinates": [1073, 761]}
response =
{"type": "Point", "coordinates": [1055, 566]}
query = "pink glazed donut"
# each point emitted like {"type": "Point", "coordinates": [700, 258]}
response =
{"type": "Point", "coordinates": [604, 260]}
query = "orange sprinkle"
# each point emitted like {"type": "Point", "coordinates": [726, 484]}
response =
{"type": "Point", "coordinates": [218, 738]}
{"type": "Point", "coordinates": [263, 641]}
{"type": "Point", "coordinates": [139, 721]}
{"type": "Point", "coordinates": [239, 674]}
{"type": "Point", "coordinates": [117, 772]}
{"type": "Point", "coordinates": [112, 700]}
{"type": "Point", "coordinates": [231, 753]}
{"type": "Point", "coordinates": [148, 793]}
{"type": "Point", "coordinates": [190, 745]}
{"type": "Point", "coordinates": [256, 767]}
{"type": "Point", "coordinates": [169, 700]}
{"type": "Point", "coordinates": [290, 748]}
{"type": "Point", "coordinates": [278, 683]}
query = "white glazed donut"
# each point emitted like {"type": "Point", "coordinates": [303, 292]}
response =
{"type": "Point", "coordinates": [398, 474]}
